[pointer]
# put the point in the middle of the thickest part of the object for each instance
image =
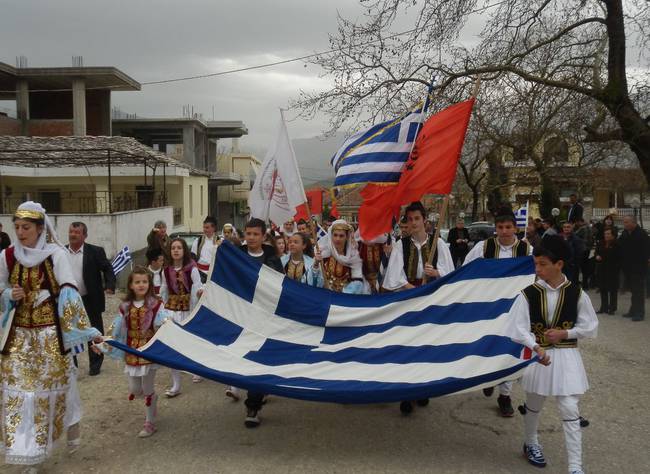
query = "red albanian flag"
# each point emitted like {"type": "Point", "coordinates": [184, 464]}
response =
{"type": "Point", "coordinates": [430, 169]}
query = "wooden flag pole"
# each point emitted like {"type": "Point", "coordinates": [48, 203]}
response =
{"type": "Point", "coordinates": [434, 245]}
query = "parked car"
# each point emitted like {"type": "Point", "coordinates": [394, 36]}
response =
{"type": "Point", "coordinates": [480, 230]}
{"type": "Point", "coordinates": [188, 237]}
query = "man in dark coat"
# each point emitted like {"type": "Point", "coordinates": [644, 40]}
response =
{"type": "Point", "coordinates": [94, 275]}
{"type": "Point", "coordinates": [577, 247]}
{"type": "Point", "coordinates": [575, 211]}
{"type": "Point", "coordinates": [458, 239]}
{"type": "Point", "coordinates": [634, 247]}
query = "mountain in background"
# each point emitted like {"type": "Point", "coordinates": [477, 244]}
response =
{"type": "Point", "coordinates": [313, 155]}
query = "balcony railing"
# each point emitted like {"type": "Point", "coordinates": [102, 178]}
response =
{"type": "Point", "coordinates": [84, 202]}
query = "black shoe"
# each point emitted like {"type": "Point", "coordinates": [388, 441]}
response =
{"type": "Point", "coordinates": [611, 311]}
{"type": "Point", "coordinates": [422, 403]}
{"type": "Point", "coordinates": [601, 310]}
{"type": "Point", "coordinates": [627, 315]}
{"type": "Point", "coordinates": [252, 420]}
{"type": "Point", "coordinates": [637, 318]}
{"type": "Point", "coordinates": [93, 371]}
{"type": "Point", "coordinates": [406, 408]}
{"type": "Point", "coordinates": [488, 391]}
{"type": "Point", "coordinates": [505, 406]}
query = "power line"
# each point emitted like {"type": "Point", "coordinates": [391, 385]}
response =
{"type": "Point", "coordinates": [264, 65]}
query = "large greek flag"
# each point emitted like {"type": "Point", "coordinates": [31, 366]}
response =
{"type": "Point", "coordinates": [377, 154]}
{"type": "Point", "coordinates": [254, 328]}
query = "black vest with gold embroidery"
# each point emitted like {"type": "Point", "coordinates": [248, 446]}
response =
{"type": "Point", "coordinates": [491, 248]}
{"type": "Point", "coordinates": [411, 258]}
{"type": "Point", "coordinates": [565, 316]}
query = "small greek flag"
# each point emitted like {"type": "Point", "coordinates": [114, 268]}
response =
{"type": "Point", "coordinates": [521, 215]}
{"type": "Point", "coordinates": [121, 260]}
{"type": "Point", "coordinates": [320, 233]}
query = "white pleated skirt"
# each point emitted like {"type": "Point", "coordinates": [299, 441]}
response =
{"type": "Point", "coordinates": [565, 376]}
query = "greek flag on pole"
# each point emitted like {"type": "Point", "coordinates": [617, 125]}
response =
{"type": "Point", "coordinates": [376, 155]}
{"type": "Point", "coordinates": [257, 329]}
{"type": "Point", "coordinates": [521, 215]}
{"type": "Point", "coordinates": [320, 233]}
{"type": "Point", "coordinates": [121, 260]}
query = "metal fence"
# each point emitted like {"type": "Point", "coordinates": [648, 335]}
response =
{"type": "Point", "coordinates": [83, 202]}
{"type": "Point", "coordinates": [642, 214]}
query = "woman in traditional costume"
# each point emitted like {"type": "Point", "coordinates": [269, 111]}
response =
{"type": "Point", "coordinates": [45, 321]}
{"type": "Point", "coordinates": [341, 261]}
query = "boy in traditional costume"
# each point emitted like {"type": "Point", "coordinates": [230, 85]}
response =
{"type": "Point", "coordinates": [504, 245]}
{"type": "Point", "coordinates": [549, 317]}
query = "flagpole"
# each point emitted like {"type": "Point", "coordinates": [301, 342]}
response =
{"type": "Point", "coordinates": [311, 223]}
{"type": "Point", "coordinates": [445, 202]}
{"type": "Point", "coordinates": [436, 235]}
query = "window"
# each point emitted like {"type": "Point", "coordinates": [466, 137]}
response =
{"type": "Point", "coordinates": [191, 203]}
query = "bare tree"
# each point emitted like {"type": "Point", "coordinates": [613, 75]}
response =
{"type": "Point", "coordinates": [378, 72]}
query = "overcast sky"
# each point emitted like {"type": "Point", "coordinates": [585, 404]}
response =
{"type": "Point", "coordinates": [162, 39]}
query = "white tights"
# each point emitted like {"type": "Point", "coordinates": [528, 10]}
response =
{"type": "Point", "coordinates": [568, 407]}
{"type": "Point", "coordinates": [145, 386]}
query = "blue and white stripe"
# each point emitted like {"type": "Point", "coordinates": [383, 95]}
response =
{"type": "Point", "coordinates": [257, 329]}
{"type": "Point", "coordinates": [121, 260]}
{"type": "Point", "coordinates": [521, 215]}
{"type": "Point", "coordinates": [378, 153]}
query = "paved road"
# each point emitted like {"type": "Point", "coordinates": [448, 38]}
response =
{"type": "Point", "coordinates": [202, 431]}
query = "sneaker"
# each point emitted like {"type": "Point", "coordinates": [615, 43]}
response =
{"type": "Point", "coordinates": [406, 408]}
{"type": "Point", "coordinates": [577, 471]}
{"type": "Point", "coordinates": [505, 406]}
{"type": "Point", "coordinates": [534, 454]}
{"type": "Point", "coordinates": [422, 403]}
{"type": "Point", "coordinates": [197, 379]}
{"type": "Point", "coordinates": [147, 430]}
{"type": "Point", "coordinates": [488, 391]}
{"type": "Point", "coordinates": [251, 420]}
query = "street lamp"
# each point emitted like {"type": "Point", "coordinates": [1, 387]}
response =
{"type": "Point", "coordinates": [636, 202]}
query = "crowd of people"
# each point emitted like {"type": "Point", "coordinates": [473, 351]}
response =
{"type": "Point", "coordinates": [48, 285]}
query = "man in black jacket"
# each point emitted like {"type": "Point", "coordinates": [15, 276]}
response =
{"type": "Point", "coordinates": [265, 254]}
{"type": "Point", "coordinates": [458, 239]}
{"type": "Point", "coordinates": [89, 265]}
{"type": "Point", "coordinates": [634, 247]}
{"type": "Point", "coordinates": [575, 211]}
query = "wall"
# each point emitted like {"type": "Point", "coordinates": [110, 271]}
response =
{"type": "Point", "coordinates": [49, 128]}
{"type": "Point", "coordinates": [9, 126]}
{"type": "Point", "coordinates": [193, 215]}
{"type": "Point", "coordinates": [111, 231]}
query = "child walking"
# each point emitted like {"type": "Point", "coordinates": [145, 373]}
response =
{"type": "Point", "coordinates": [141, 314]}
{"type": "Point", "coordinates": [550, 317]}
{"type": "Point", "coordinates": [181, 289]}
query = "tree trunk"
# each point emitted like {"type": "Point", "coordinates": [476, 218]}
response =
{"type": "Point", "coordinates": [475, 199]}
{"type": "Point", "coordinates": [549, 198]}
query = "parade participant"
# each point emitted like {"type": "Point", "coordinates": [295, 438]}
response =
{"type": "Point", "coordinates": [155, 262]}
{"type": "Point", "coordinates": [341, 261]}
{"type": "Point", "coordinates": [94, 276]}
{"type": "Point", "coordinates": [303, 226]}
{"type": "Point", "coordinates": [403, 227]}
{"type": "Point", "coordinates": [371, 254]}
{"type": "Point", "coordinates": [408, 264]}
{"type": "Point", "coordinates": [39, 400]}
{"type": "Point", "coordinates": [550, 317]}
{"type": "Point", "coordinates": [158, 238]}
{"type": "Point", "coordinates": [298, 264]}
{"type": "Point", "coordinates": [504, 245]}
{"type": "Point", "coordinates": [280, 245]}
{"type": "Point", "coordinates": [181, 288]}
{"type": "Point", "coordinates": [289, 228]}
{"type": "Point", "coordinates": [227, 231]}
{"type": "Point", "coordinates": [140, 316]}
{"type": "Point", "coordinates": [266, 255]}
{"type": "Point", "coordinates": [203, 248]}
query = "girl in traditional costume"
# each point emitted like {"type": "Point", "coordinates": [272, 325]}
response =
{"type": "Point", "coordinates": [341, 261]}
{"type": "Point", "coordinates": [141, 314]}
{"type": "Point", "coordinates": [181, 289]}
{"type": "Point", "coordinates": [45, 321]}
{"type": "Point", "coordinates": [298, 263]}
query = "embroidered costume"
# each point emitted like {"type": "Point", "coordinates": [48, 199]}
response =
{"type": "Point", "coordinates": [343, 272]}
{"type": "Point", "coordinates": [302, 271]}
{"type": "Point", "coordinates": [203, 251]}
{"type": "Point", "coordinates": [135, 325]}
{"type": "Point", "coordinates": [39, 399]}
{"type": "Point", "coordinates": [540, 307]}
